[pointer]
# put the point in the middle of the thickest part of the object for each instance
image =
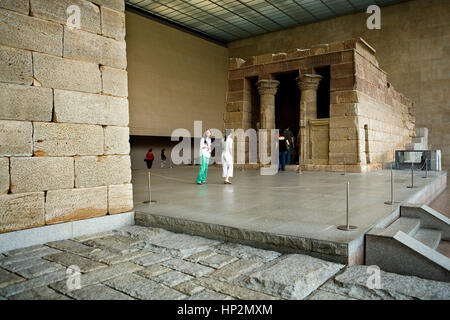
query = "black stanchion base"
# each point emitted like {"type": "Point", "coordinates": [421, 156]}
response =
{"type": "Point", "coordinates": [149, 202]}
{"type": "Point", "coordinates": [347, 228]}
{"type": "Point", "coordinates": [411, 187]}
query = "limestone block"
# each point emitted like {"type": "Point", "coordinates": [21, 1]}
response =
{"type": "Point", "coordinates": [294, 277]}
{"type": "Point", "coordinates": [59, 73]}
{"type": "Point", "coordinates": [4, 175]}
{"type": "Point", "coordinates": [15, 66]}
{"type": "Point", "coordinates": [67, 139]}
{"type": "Point", "coordinates": [57, 11]}
{"type": "Point", "coordinates": [115, 81]}
{"type": "Point", "coordinates": [77, 107]}
{"type": "Point", "coordinates": [94, 171]}
{"type": "Point", "coordinates": [41, 174]}
{"type": "Point", "coordinates": [234, 63]}
{"type": "Point", "coordinates": [120, 198]}
{"type": "Point", "coordinates": [118, 5]}
{"type": "Point", "coordinates": [75, 204]}
{"type": "Point", "coordinates": [295, 53]}
{"type": "Point", "coordinates": [319, 49]}
{"type": "Point", "coordinates": [344, 122]}
{"type": "Point", "coordinates": [349, 96]}
{"type": "Point", "coordinates": [236, 106]}
{"type": "Point", "coordinates": [15, 138]}
{"type": "Point", "coordinates": [25, 103]}
{"type": "Point", "coordinates": [113, 24]}
{"type": "Point", "coordinates": [21, 211]}
{"type": "Point", "coordinates": [94, 48]}
{"type": "Point", "coordinates": [21, 6]}
{"type": "Point", "coordinates": [117, 140]}
{"type": "Point", "coordinates": [344, 109]}
{"type": "Point", "coordinates": [25, 32]}
{"type": "Point", "coordinates": [237, 85]}
{"type": "Point", "coordinates": [346, 83]}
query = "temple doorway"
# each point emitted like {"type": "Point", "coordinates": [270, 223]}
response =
{"type": "Point", "coordinates": [287, 107]}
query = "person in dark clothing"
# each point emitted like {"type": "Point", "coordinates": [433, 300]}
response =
{"type": "Point", "coordinates": [149, 158]}
{"type": "Point", "coordinates": [283, 148]}
{"type": "Point", "coordinates": [289, 136]}
{"type": "Point", "coordinates": [163, 158]}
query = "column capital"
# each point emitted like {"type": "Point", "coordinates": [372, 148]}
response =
{"type": "Point", "coordinates": [268, 87]}
{"type": "Point", "coordinates": [308, 81]}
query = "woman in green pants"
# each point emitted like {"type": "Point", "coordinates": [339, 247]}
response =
{"type": "Point", "coordinates": [205, 154]}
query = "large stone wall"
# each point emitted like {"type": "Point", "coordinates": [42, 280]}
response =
{"type": "Point", "coordinates": [412, 46]}
{"type": "Point", "coordinates": [64, 137]}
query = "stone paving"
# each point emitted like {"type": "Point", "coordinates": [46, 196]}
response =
{"type": "Point", "coordinates": [148, 263]}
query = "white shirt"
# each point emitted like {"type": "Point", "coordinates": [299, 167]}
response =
{"type": "Point", "coordinates": [226, 147]}
{"type": "Point", "coordinates": [206, 152]}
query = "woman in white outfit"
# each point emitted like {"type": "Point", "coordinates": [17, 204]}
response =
{"type": "Point", "coordinates": [227, 156]}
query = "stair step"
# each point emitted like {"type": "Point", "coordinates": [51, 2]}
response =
{"type": "Point", "coordinates": [407, 225]}
{"type": "Point", "coordinates": [444, 248]}
{"type": "Point", "coordinates": [428, 237]}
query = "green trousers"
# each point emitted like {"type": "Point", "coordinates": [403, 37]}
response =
{"type": "Point", "coordinates": [201, 178]}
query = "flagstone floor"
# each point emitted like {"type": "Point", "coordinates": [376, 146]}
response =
{"type": "Point", "coordinates": [147, 263]}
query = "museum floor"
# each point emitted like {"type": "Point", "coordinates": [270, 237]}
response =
{"type": "Point", "coordinates": [273, 212]}
{"type": "Point", "coordinates": [154, 264]}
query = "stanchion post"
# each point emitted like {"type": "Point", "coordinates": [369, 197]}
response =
{"type": "Point", "coordinates": [347, 226]}
{"type": "Point", "coordinates": [392, 189]}
{"type": "Point", "coordinates": [149, 201]}
{"type": "Point", "coordinates": [426, 166]}
{"type": "Point", "coordinates": [412, 176]}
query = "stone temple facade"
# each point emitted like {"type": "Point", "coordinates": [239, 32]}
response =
{"type": "Point", "coordinates": [64, 137]}
{"type": "Point", "coordinates": [367, 119]}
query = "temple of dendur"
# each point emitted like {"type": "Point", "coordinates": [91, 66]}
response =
{"type": "Point", "coordinates": [353, 123]}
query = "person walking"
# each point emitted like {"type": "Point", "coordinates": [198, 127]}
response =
{"type": "Point", "coordinates": [227, 156]}
{"type": "Point", "coordinates": [283, 147]}
{"type": "Point", "coordinates": [149, 159]}
{"type": "Point", "coordinates": [205, 154]}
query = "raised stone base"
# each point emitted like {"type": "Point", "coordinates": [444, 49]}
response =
{"type": "Point", "coordinates": [30, 237]}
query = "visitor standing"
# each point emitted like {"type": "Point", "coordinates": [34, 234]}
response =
{"type": "Point", "coordinates": [290, 138]}
{"type": "Point", "coordinates": [283, 147]}
{"type": "Point", "coordinates": [149, 159]}
{"type": "Point", "coordinates": [205, 154]}
{"type": "Point", "coordinates": [227, 156]}
{"type": "Point", "coordinates": [163, 158]}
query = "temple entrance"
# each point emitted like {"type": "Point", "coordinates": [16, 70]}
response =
{"type": "Point", "coordinates": [287, 110]}
{"type": "Point", "coordinates": [323, 93]}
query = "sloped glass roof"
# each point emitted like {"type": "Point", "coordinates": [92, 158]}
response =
{"type": "Point", "coordinates": [228, 20]}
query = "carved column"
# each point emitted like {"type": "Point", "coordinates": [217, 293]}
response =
{"type": "Point", "coordinates": [308, 84]}
{"type": "Point", "coordinates": [267, 90]}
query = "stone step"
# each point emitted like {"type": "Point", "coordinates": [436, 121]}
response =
{"type": "Point", "coordinates": [408, 225]}
{"type": "Point", "coordinates": [429, 218]}
{"type": "Point", "coordinates": [429, 237]}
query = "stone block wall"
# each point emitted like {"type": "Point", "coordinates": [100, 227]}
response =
{"type": "Point", "coordinates": [64, 136]}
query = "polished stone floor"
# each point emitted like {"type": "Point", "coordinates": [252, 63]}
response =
{"type": "Point", "coordinates": [311, 204]}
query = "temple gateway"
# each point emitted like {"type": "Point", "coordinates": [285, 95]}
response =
{"type": "Point", "coordinates": [347, 115]}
